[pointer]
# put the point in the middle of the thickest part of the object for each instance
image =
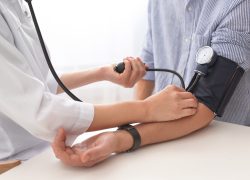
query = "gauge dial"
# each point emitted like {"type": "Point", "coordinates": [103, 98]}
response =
{"type": "Point", "coordinates": [204, 55]}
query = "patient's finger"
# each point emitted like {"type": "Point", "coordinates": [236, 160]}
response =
{"type": "Point", "coordinates": [93, 154]}
{"type": "Point", "coordinates": [95, 162]}
{"type": "Point", "coordinates": [74, 160]}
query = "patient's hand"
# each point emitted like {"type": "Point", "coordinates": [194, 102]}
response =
{"type": "Point", "coordinates": [88, 153]}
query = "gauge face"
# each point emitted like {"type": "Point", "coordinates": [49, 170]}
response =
{"type": "Point", "coordinates": [204, 55]}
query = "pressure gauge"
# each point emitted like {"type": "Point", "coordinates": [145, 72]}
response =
{"type": "Point", "coordinates": [205, 55]}
{"type": "Point", "coordinates": [205, 58]}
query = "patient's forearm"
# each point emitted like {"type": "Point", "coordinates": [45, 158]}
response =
{"type": "Point", "coordinates": [159, 132]}
{"type": "Point", "coordinates": [155, 133]}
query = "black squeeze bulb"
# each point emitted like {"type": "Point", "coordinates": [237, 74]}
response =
{"type": "Point", "coordinates": [119, 68]}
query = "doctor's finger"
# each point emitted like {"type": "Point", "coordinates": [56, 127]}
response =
{"type": "Point", "coordinates": [187, 95]}
{"type": "Point", "coordinates": [189, 103]}
{"type": "Point", "coordinates": [142, 64]}
{"type": "Point", "coordinates": [174, 88]}
{"type": "Point", "coordinates": [130, 58]}
{"type": "Point", "coordinates": [187, 112]}
{"type": "Point", "coordinates": [142, 67]}
{"type": "Point", "coordinates": [69, 150]}
{"type": "Point", "coordinates": [59, 147]}
{"type": "Point", "coordinates": [59, 141]}
{"type": "Point", "coordinates": [68, 157]}
{"type": "Point", "coordinates": [128, 69]}
{"type": "Point", "coordinates": [135, 72]}
{"type": "Point", "coordinates": [65, 154]}
{"type": "Point", "coordinates": [61, 151]}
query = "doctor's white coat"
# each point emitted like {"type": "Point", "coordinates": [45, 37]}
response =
{"type": "Point", "coordinates": [30, 112]}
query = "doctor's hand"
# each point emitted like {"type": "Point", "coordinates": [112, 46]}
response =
{"type": "Point", "coordinates": [134, 71]}
{"type": "Point", "coordinates": [91, 151]}
{"type": "Point", "coordinates": [172, 103]}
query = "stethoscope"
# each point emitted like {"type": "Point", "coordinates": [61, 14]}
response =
{"type": "Point", "coordinates": [205, 58]}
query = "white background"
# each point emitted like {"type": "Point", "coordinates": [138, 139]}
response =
{"type": "Point", "coordinates": [87, 33]}
{"type": "Point", "coordinates": [83, 34]}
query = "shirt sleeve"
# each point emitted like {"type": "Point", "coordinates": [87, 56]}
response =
{"type": "Point", "coordinates": [5, 31]}
{"type": "Point", "coordinates": [147, 51]}
{"type": "Point", "coordinates": [52, 83]}
{"type": "Point", "coordinates": [231, 39]}
{"type": "Point", "coordinates": [27, 101]}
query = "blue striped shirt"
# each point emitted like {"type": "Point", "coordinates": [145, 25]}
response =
{"type": "Point", "coordinates": [178, 28]}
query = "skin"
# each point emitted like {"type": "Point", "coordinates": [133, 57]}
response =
{"type": "Point", "coordinates": [135, 70]}
{"type": "Point", "coordinates": [100, 147]}
{"type": "Point", "coordinates": [152, 109]}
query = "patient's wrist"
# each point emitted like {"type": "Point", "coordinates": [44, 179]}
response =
{"type": "Point", "coordinates": [124, 141]}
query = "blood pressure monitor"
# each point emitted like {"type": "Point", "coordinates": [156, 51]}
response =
{"type": "Point", "coordinates": [215, 79]}
{"type": "Point", "coordinates": [205, 58]}
{"type": "Point", "coordinates": [213, 83]}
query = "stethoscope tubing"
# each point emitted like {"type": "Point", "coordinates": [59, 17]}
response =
{"type": "Point", "coordinates": [60, 83]}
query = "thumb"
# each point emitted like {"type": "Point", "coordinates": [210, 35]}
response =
{"type": "Point", "coordinates": [93, 153]}
{"type": "Point", "coordinates": [128, 68]}
{"type": "Point", "coordinates": [59, 140]}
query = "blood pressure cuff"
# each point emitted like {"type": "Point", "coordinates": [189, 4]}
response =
{"type": "Point", "coordinates": [217, 87]}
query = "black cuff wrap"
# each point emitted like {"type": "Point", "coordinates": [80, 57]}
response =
{"type": "Point", "coordinates": [217, 87]}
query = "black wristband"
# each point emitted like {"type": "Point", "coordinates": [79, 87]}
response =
{"type": "Point", "coordinates": [135, 135]}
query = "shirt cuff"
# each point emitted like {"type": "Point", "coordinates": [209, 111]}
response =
{"type": "Point", "coordinates": [148, 59]}
{"type": "Point", "coordinates": [52, 83]}
{"type": "Point", "coordinates": [81, 125]}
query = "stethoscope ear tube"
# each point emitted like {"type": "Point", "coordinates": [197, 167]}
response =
{"type": "Point", "coordinates": [118, 68]}
{"type": "Point", "coordinates": [60, 83]}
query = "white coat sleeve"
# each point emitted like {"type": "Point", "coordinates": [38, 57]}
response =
{"type": "Point", "coordinates": [27, 101]}
{"type": "Point", "coordinates": [51, 83]}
